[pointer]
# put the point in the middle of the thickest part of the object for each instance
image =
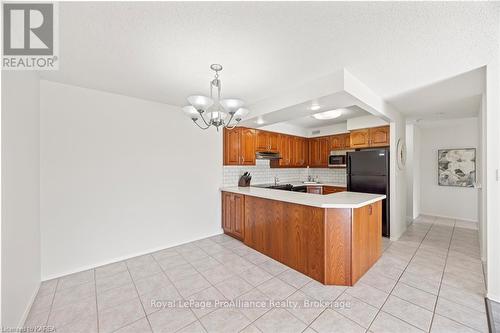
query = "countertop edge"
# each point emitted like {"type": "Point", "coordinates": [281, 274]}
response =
{"type": "Point", "coordinates": [307, 200]}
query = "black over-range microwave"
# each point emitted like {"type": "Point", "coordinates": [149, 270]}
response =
{"type": "Point", "coordinates": [336, 160]}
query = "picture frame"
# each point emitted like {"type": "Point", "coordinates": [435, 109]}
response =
{"type": "Point", "coordinates": [457, 167]}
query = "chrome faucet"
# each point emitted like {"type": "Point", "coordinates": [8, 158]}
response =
{"type": "Point", "coordinates": [276, 180]}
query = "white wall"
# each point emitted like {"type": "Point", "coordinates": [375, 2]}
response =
{"type": "Point", "coordinates": [20, 232]}
{"type": "Point", "coordinates": [446, 201]}
{"type": "Point", "coordinates": [286, 129]}
{"type": "Point", "coordinates": [121, 177]}
{"type": "Point", "coordinates": [413, 172]}
{"type": "Point", "coordinates": [364, 122]}
{"type": "Point", "coordinates": [481, 177]}
{"type": "Point", "coordinates": [328, 130]}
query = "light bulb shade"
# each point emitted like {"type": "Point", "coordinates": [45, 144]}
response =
{"type": "Point", "coordinates": [231, 105]}
{"type": "Point", "coordinates": [200, 102]}
{"type": "Point", "coordinates": [332, 114]}
{"type": "Point", "coordinates": [190, 112]}
{"type": "Point", "coordinates": [241, 113]}
{"type": "Point", "coordinates": [217, 115]}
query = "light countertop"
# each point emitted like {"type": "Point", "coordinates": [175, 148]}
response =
{"type": "Point", "coordinates": [334, 200]}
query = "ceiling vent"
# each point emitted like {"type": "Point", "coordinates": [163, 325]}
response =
{"type": "Point", "coordinates": [315, 132]}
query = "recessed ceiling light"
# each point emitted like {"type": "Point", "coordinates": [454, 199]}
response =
{"type": "Point", "coordinates": [260, 121]}
{"type": "Point", "coordinates": [328, 114]}
{"type": "Point", "coordinates": [315, 107]}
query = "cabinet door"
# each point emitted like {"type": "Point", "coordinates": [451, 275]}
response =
{"type": "Point", "coordinates": [273, 139]}
{"type": "Point", "coordinates": [315, 189]}
{"type": "Point", "coordinates": [347, 140]}
{"type": "Point", "coordinates": [285, 150]}
{"type": "Point", "coordinates": [261, 140]}
{"type": "Point", "coordinates": [337, 142]}
{"type": "Point", "coordinates": [314, 153]}
{"type": "Point", "coordinates": [238, 217]}
{"type": "Point", "coordinates": [360, 138]}
{"type": "Point", "coordinates": [379, 136]}
{"type": "Point", "coordinates": [232, 146]}
{"type": "Point", "coordinates": [324, 151]}
{"type": "Point", "coordinates": [247, 146]}
{"type": "Point", "coordinates": [226, 211]}
{"type": "Point", "coordinates": [297, 151]}
{"type": "Point", "coordinates": [304, 157]}
{"type": "Point", "coordinates": [333, 189]}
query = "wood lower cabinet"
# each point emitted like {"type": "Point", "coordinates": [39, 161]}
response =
{"type": "Point", "coordinates": [233, 210]}
{"type": "Point", "coordinates": [315, 189]}
{"type": "Point", "coordinates": [239, 146]}
{"type": "Point", "coordinates": [370, 137]}
{"type": "Point", "coordinates": [366, 243]}
{"type": "Point", "coordinates": [333, 246]}
{"type": "Point", "coordinates": [333, 189]}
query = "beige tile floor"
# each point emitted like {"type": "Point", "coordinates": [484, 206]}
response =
{"type": "Point", "coordinates": [430, 280]}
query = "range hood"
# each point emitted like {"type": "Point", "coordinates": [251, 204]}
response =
{"type": "Point", "coordinates": [267, 155]}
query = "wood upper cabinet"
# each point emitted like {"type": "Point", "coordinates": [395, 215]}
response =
{"type": "Point", "coordinates": [239, 146]}
{"type": "Point", "coordinates": [300, 152]}
{"type": "Point", "coordinates": [247, 146]}
{"type": "Point", "coordinates": [232, 146]}
{"type": "Point", "coordinates": [337, 142]}
{"type": "Point", "coordinates": [293, 151]}
{"type": "Point", "coordinates": [347, 140]}
{"type": "Point", "coordinates": [370, 137]}
{"type": "Point", "coordinates": [360, 138]}
{"type": "Point", "coordinates": [379, 136]}
{"type": "Point", "coordinates": [285, 150]}
{"type": "Point", "coordinates": [319, 150]}
{"type": "Point", "coordinates": [266, 141]}
{"type": "Point", "coordinates": [233, 218]}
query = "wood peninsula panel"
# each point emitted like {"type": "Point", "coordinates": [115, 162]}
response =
{"type": "Point", "coordinates": [366, 239]}
{"type": "Point", "coordinates": [289, 233]}
{"type": "Point", "coordinates": [333, 246]}
{"type": "Point", "coordinates": [338, 247]}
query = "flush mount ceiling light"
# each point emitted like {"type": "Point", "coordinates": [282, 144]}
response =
{"type": "Point", "coordinates": [215, 109]}
{"type": "Point", "coordinates": [315, 107]}
{"type": "Point", "coordinates": [327, 115]}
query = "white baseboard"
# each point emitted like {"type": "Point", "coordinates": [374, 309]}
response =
{"type": "Point", "coordinates": [449, 217]}
{"type": "Point", "coordinates": [114, 260]}
{"type": "Point", "coordinates": [28, 308]}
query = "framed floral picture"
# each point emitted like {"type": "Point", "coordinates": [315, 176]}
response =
{"type": "Point", "coordinates": [457, 167]}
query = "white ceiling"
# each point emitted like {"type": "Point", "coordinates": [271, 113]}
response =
{"type": "Point", "coordinates": [310, 122]}
{"type": "Point", "coordinates": [162, 50]}
{"type": "Point", "coordinates": [456, 97]}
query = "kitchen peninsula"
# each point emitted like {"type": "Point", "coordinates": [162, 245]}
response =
{"type": "Point", "coordinates": [333, 238]}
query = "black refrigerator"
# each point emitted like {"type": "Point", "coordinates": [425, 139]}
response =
{"type": "Point", "coordinates": [368, 172]}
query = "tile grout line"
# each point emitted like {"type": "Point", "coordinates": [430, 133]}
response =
{"type": "Point", "coordinates": [442, 275]}
{"type": "Point", "coordinates": [182, 297]}
{"type": "Point", "coordinates": [439, 290]}
{"type": "Point", "coordinates": [140, 301]}
{"type": "Point", "coordinates": [397, 281]}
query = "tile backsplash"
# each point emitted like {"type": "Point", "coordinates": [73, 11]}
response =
{"type": "Point", "coordinates": [262, 173]}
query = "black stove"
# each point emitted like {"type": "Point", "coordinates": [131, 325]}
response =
{"type": "Point", "coordinates": [283, 187]}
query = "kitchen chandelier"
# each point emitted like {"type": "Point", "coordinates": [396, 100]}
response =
{"type": "Point", "coordinates": [215, 109]}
